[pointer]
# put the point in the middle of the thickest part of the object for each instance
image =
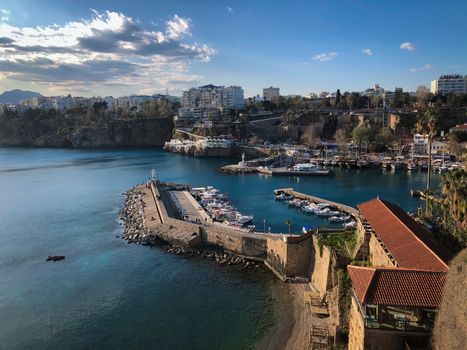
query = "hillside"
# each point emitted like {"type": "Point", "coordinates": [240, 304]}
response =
{"type": "Point", "coordinates": [14, 96]}
{"type": "Point", "coordinates": [450, 330]}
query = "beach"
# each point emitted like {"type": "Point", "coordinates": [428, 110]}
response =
{"type": "Point", "coordinates": [293, 327]}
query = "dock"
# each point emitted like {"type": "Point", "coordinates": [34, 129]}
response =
{"type": "Point", "coordinates": [342, 207]}
{"type": "Point", "coordinates": [285, 172]}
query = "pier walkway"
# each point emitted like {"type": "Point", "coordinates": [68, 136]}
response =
{"type": "Point", "coordinates": [345, 208]}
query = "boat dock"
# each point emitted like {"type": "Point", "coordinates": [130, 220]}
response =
{"type": "Point", "coordinates": [342, 207]}
{"type": "Point", "coordinates": [285, 171]}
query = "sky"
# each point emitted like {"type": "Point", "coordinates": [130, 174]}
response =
{"type": "Point", "coordinates": [122, 47]}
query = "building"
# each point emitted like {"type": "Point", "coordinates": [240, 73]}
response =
{"type": "Point", "coordinates": [212, 96]}
{"type": "Point", "coordinates": [394, 301]}
{"type": "Point", "coordinates": [461, 128]}
{"type": "Point", "coordinates": [393, 308]}
{"type": "Point", "coordinates": [453, 83]}
{"type": "Point", "coordinates": [420, 145]}
{"type": "Point", "coordinates": [376, 90]}
{"type": "Point", "coordinates": [270, 93]}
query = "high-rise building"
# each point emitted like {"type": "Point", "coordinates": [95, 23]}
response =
{"type": "Point", "coordinates": [270, 93]}
{"type": "Point", "coordinates": [453, 83]}
{"type": "Point", "coordinates": [212, 96]}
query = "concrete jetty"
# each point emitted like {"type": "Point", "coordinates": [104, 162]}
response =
{"type": "Point", "coordinates": [342, 207]}
{"type": "Point", "coordinates": [158, 211]}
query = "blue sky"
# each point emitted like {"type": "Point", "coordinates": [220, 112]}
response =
{"type": "Point", "coordinates": [124, 47]}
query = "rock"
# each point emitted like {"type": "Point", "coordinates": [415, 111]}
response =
{"type": "Point", "coordinates": [55, 258]}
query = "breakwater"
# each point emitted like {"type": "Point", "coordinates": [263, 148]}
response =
{"type": "Point", "coordinates": [151, 217]}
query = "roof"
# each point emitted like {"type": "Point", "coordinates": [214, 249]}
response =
{"type": "Point", "coordinates": [397, 286]}
{"type": "Point", "coordinates": [411, 244]}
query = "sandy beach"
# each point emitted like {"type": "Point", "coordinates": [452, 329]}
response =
{"type": "Point", "coordinates": [292, 331]}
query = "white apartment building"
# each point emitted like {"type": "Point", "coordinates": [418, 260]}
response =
{"type": "Point", "coordinates": [446, 84]}
{"type": "Point", "coordinates": [270, 93]}
{"type": "Point", "coordinates": [211, 96]}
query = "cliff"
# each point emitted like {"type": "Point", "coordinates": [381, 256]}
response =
{"type": "Point", "coordinates": [63, 131]}
{"type": "Point", "coordinates": [450, 330]}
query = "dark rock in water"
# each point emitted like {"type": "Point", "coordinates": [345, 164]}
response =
{"type": "Point", "coordinates": [55, 258]}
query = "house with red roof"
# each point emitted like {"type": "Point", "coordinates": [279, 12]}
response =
{"type": "Point", "coordinates": [394, 300]}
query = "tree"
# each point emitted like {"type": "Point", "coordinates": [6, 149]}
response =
{"type": "Point", "coordinates": [428, 124]}
{"type": "Point", "coordinates": [454, 188]}
{"type": "Point", "coordinates": [423, 96]}
{"type": "Point", "coordinates": [338, 97]}
{"type": "Point", "coordinates": [288, 222]}
{"type": "Point", "coordinates": [359, 134]}
{"type": "Point", "coordinates": [341, 138]}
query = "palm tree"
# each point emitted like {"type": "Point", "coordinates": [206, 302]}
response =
{"type": "Point", "coordinates": [288, 222]}
{"type": "Point", "coordinates": [428, 125]}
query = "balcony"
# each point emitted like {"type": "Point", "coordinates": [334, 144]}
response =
{"type": "Point", "coordinates": [395, 318]}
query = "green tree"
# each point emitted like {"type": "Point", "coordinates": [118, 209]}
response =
{"type": "Point", "coordinates": [338, 97]}
{"type": "Point", "coordinates": [361, 133]}
{"type": "Point", "coordinates": [428, 124]}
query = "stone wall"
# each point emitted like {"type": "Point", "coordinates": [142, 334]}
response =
{"type": "Point", "coordinates": [378, 257]}
{"type": "Point", "coordinates": [242, 243]}
{"type": "Point", "coordinates": [320, 267]}
{"type": "Point", "coordinates": [289, 256]}
{"type": "Point", "coordinates": [356, 328]}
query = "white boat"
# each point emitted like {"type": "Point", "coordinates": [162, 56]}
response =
{"type": "Point", "coordinates": [310, 208]}
{"type": "Point", "coordinates": [339, 218]}
{"type": "Point", "coordinates": [350, 224]}
{"type": "Point", "coordinates": [244, 219]}
{"type": "Point", "coordinates": [305, 167]}
{"type": "Point", "coordinates": [283, 197]}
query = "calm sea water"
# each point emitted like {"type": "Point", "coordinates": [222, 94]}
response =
{"type": "Point", "coordinates": [111, 295]}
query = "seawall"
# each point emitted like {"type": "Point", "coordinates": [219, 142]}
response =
{"type": "Point", "coordinates": [149, 217]}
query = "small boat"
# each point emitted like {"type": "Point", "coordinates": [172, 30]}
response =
{"type": "Point", "coordinates": [283, 197]}
{"type": "Point", "coordinates": [244, 219]}
{"type": "Point", "coordinates": [412, 166]}
{"type": "Point", "coordinates": [338, 219]}
{"type": "Point", "coordinates": [327, 212]}
{"type": "Point", "coordinates": [350, 224]}
{"type": "Point", "coordinates": [306, 229]}
{"type": "Point", "coordinates": [310, 208]}
{"type": "Point", "coordinates": [397, 165]}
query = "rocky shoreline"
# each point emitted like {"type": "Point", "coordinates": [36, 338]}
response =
{"type": "Point", "coordinates": [236, 169]}
{"type": "Point", "coordinates": [136, 231]}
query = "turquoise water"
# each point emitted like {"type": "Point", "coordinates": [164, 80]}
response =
{"type": "Point", "coordinates": [111, 295]}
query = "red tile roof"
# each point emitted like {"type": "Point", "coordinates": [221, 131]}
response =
{"type": "Point", "coordinates": [411, 244]}
{"type": "Point", "coordinates": [397, 286]}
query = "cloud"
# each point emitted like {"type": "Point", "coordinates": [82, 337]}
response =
{"type": "Point", "coordinates": [4, 15]}
{"type": "Point", "coordinates": [407, 46]}
{"type": "Point", "coordinates": [109, 49]}
{"type": "Point", "coordinates": [323, 57]}
{"type": "Point", "coordinates": [367, 52]}
{"type": "Point", "coordinates": [229, 9]}
{"type": "Point", "coordinates": [425, 67]}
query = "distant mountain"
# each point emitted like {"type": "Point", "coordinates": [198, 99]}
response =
{"type": "Point", "coordinates": [14, 96]}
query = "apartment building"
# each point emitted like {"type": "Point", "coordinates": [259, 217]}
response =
{"type": "Point", "coordinates": [453, 83]}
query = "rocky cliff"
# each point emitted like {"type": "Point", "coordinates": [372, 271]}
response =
{"type": "Point", "coordinates": [63, 132]}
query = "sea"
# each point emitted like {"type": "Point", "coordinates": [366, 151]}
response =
{"type": "Point", "coordinates": [108, 294]}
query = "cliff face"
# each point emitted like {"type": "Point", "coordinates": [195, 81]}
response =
{"type": "Point", "coordinates": [450, 330]}
{"type": "Point", "coordinates": [112, 133]}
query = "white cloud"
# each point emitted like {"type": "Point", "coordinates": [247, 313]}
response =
{"type": "Point", "coordinates": [229, 9]}
{"type": "Point", "coordinates": [323, 57]}
{"type": "Point", "coordinates": [109, 49]}
{"type": "Point", "coordinates": [367, 52]}
{"type": "Point", "coordinates": [4, 15]}
{"type": "Point", "coordinates": [178, 27]}
{"type": "Point", "coordinates": [407, 46]}
{"type": "Point", "coordinates": [423, 68]}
